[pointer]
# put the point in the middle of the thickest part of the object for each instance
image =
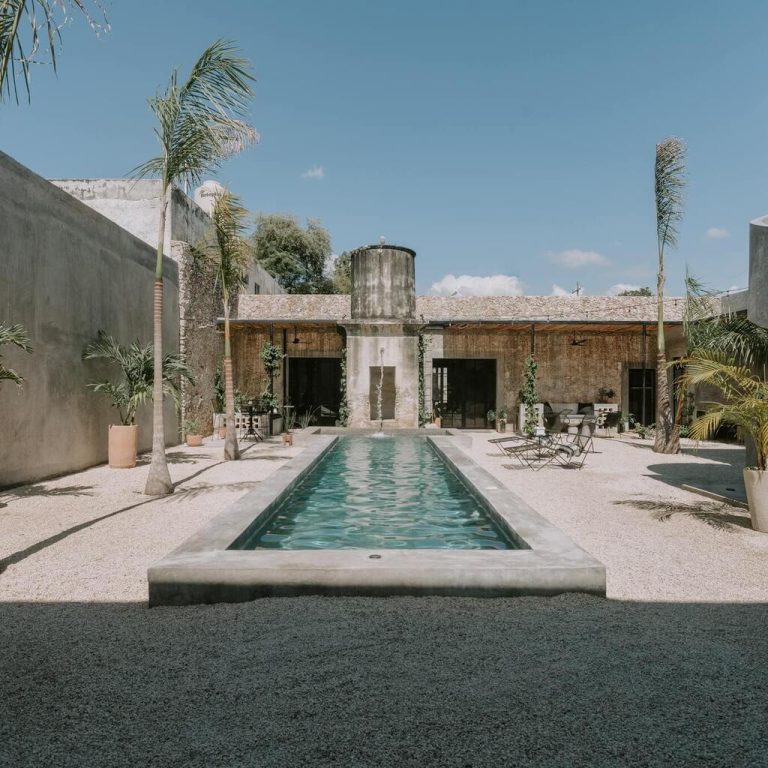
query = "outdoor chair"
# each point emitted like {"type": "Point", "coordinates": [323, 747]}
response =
{"type": "Point", "coordinates": [587, 429]}
{"type": "Point", "coordinates": [534, 453]}
{"type": "Point", "coordinates": [572, 455]}
{"type": "Point", "coordinates": [502, 443]}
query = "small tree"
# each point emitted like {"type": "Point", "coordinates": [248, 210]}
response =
{"type": "Point", "coordinates": [636, 292]}
{"type": "Point", "coordinates": [529, 396]}
{"type": "Point", "coordinates": [342, 273]}
{"type": "Point", "coordinates": [230, 253]}
{"type": "Point", "coordinates": [17, 336]}
{"type": "Point", "coordinates": [669, 187]}
{"type": "Point", "coordinates": [272, 357]}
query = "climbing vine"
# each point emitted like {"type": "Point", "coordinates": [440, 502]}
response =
{"type": "Point", "coordinates": [272, 357]}
{"type": "Point", "coordinates": [343, 405]}
{"type": "Point", "coordinates": [423, 344]}
{"type": "Point", "coordinates": [529, 396]}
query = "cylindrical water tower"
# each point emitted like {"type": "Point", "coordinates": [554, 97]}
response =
{"type": "Point", "coordinates": [382, 339]}
{"type": "Point", "coordinates": [383, 282]}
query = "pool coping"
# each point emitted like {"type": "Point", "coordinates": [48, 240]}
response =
{"type": "Point", "coordinates": [204, 570]}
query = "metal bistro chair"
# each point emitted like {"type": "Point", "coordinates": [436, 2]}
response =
{"type": "Point", "coordinates": [572, 455]}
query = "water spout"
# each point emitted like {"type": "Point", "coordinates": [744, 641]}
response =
{"type": "Point", "coordinates": [379, 395]}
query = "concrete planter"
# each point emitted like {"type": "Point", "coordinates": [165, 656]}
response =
{"type": "Point", "coordinates": [194, 441]}
{"type": "Point", "coordinates": [123, 442]}
{"type": "Point", "coordinates": [756, 483]}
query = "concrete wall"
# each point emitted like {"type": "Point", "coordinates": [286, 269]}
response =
{"type": "Point", "coordinates": [68, 272]}
{"type": "Point", "coordinates": [758, 271]}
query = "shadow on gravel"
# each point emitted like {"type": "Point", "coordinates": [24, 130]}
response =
{"type": "Point", "coordinates": [723, 517]}
{"type": "Point", "coordinates": [568, 681]}
{"type": "Point", "coordinates": [41, 489]}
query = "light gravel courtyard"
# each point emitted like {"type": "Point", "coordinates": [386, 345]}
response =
{"type": "Point", "coordinates": [669, 671]}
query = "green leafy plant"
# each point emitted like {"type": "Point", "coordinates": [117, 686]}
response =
{"type": "Point", "coordinates": [423, 344]}
{"type": "Point", "coordinates": [192, 426]}
{"type": "Point", "coordinates": [491, 415]}
{"type": "Point", "coordinates": [17, 337]}
{"type": "Point", "coordinates": [529, 396]}
{"type": "Point", "coordinates": [136, 364]}
{"type": "Point", "coordinates": [745, 398]}
{"type": "Point", "coordinates": [604, 394]}
{"type": "Point", "coordinates": [268, 401]}
{"type": "Point", "coordinates": [306, 418]}
{"type": "Point", "coordinates": [343, 403]}
{"type": "Point", "coordinates": [502, 415]}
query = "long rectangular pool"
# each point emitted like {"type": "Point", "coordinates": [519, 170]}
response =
{"type": "Point", "coordinates": [380, 492]}
{"type": "Point", "coordinates": [352, 515]}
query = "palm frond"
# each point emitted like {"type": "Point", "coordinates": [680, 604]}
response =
{"type": "Point", "coordinates": [17, 337]}
{"type": "Point", "coordinates": [200, 121]}
{"type": "Point", "coordinates": [669, 178]}
{"type": "Point", "coordinates": [30, 31]}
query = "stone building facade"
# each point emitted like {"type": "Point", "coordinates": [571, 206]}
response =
{"type": "Point", "coordinates": [474, 350]}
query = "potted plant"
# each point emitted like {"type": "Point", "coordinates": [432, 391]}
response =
{"type": "Point", "coordinates": [490, 417]}
{"type": "Point", "coordinates": [501, 421]}
{"type": "Point", "coordinates": [605, 394]}
{"type": "Point", "coordinates": [626, 419]}
{"type": "Point", "coordinates": [192, 431]}
{"type": "Point", "coordinates": [136, 365]}
{"type": "Point", "coordinates": [745, 406]}
{"type": "Point", "coordinates": [289, 419]}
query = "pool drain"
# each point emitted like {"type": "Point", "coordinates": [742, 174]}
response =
{"type": "Point", "coordinates": [374, 557]}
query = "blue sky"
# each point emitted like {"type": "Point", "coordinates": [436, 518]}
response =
{"type": "Point", "coordinates": [495, 138]}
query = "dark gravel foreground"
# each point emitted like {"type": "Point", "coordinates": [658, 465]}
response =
{"type": "Point", "coordinates": [569, 681]}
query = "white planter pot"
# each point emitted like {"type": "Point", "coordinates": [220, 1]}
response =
{"type": "Point", "coordinates": [756, 483]}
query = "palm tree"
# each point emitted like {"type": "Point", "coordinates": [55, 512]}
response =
{"type": "Point", "coordinates": [199, 127]}
{"type": "Point", "coordinates": [230, 254]}
{"type": "Point", "coordinates": [16, 335]}
{"type": "Point", "coordinates": [137, 365]}
{"type": "Point", "coordinates": [669, 188]}
{"type": "Point", "coordinates": [745, 400]}
{"type": "Point", "coordinates": [43, 21]}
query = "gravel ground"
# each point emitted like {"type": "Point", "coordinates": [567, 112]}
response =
{"type": "Point", "coordinates": [671, 672]}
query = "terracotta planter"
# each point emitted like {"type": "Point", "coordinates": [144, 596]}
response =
{"type": "Point", "coordinates": [123, 443]}
{"type": "Point", "coordinates": [222, 433]}
{"type": "Point", "coordinates": [194, 441]}
{"type": "Point", "coordinates": [438, 421]}
{"type": "Point", "coordinates": [288, 438]}
{"type": "Point", "coordinates": [756, 483]}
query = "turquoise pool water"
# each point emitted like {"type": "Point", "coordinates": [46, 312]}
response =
{"type": "Point", "coordinates": [376, 493]}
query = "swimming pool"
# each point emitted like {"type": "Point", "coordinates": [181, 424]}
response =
{"type": "Point", "coordinates": [390, 492]}
{"type": "Point", "coordinates": [500, 548]}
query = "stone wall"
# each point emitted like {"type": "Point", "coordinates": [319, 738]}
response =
{"type": "Point", "coordinates": [68, 272]}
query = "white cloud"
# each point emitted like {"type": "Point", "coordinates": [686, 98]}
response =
{"type": "Point", "coordinates": [716, 233]}
{"type": "Point", "coordinates": [315, 172]}
{"type": "Point", "coordinates": [615, 290]}
{"type": "Point", "coordinates": [474, 285]}
{"type": "Point", "coordinates": [558, 291]}
{"type": "Point", "coordinates": [576, 258]}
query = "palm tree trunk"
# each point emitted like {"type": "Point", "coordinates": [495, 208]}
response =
{"type": "Point", "coordinates": [666, 438]}
{"type": "Point", "coordinates": [159, 479]}
{"type": "Point", "coordinates": [231, 448]}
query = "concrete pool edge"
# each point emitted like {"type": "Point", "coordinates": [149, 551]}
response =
{"type": "Point", "coordinates": [204, 570]}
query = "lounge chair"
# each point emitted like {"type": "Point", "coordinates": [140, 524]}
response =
{"type": "Point", "coordinates": [573, 454]}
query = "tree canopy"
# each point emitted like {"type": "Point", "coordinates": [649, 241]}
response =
{"type": "Point", "coordinates": [637, 292]}
{"type": "Point", "coordinates": [295, 255]}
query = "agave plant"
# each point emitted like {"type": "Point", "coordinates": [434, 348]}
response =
{"type": "Point", "coordinates": [136, 363]}
{"type": "Point", "coordinates": [16, 335]}
{"type": "Point", "coordinates": [745, 399]}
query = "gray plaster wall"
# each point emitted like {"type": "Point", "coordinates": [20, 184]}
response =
{"type": "Point", "coordinates": [67, 272]}
{"type": "Point", "coordinates": [758, 271]}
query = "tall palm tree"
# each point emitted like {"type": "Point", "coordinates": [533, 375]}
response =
{"type": "Point", "coordinates": [199, 127]}
{"type": "Point", "coordinates": [31, 27]}
{"type": "Point", "coordinates": [17, 336]}
{"type": "Point", "coordinates": [230, 254]}
{"type": "Point", "coordinates": [669, 189]}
